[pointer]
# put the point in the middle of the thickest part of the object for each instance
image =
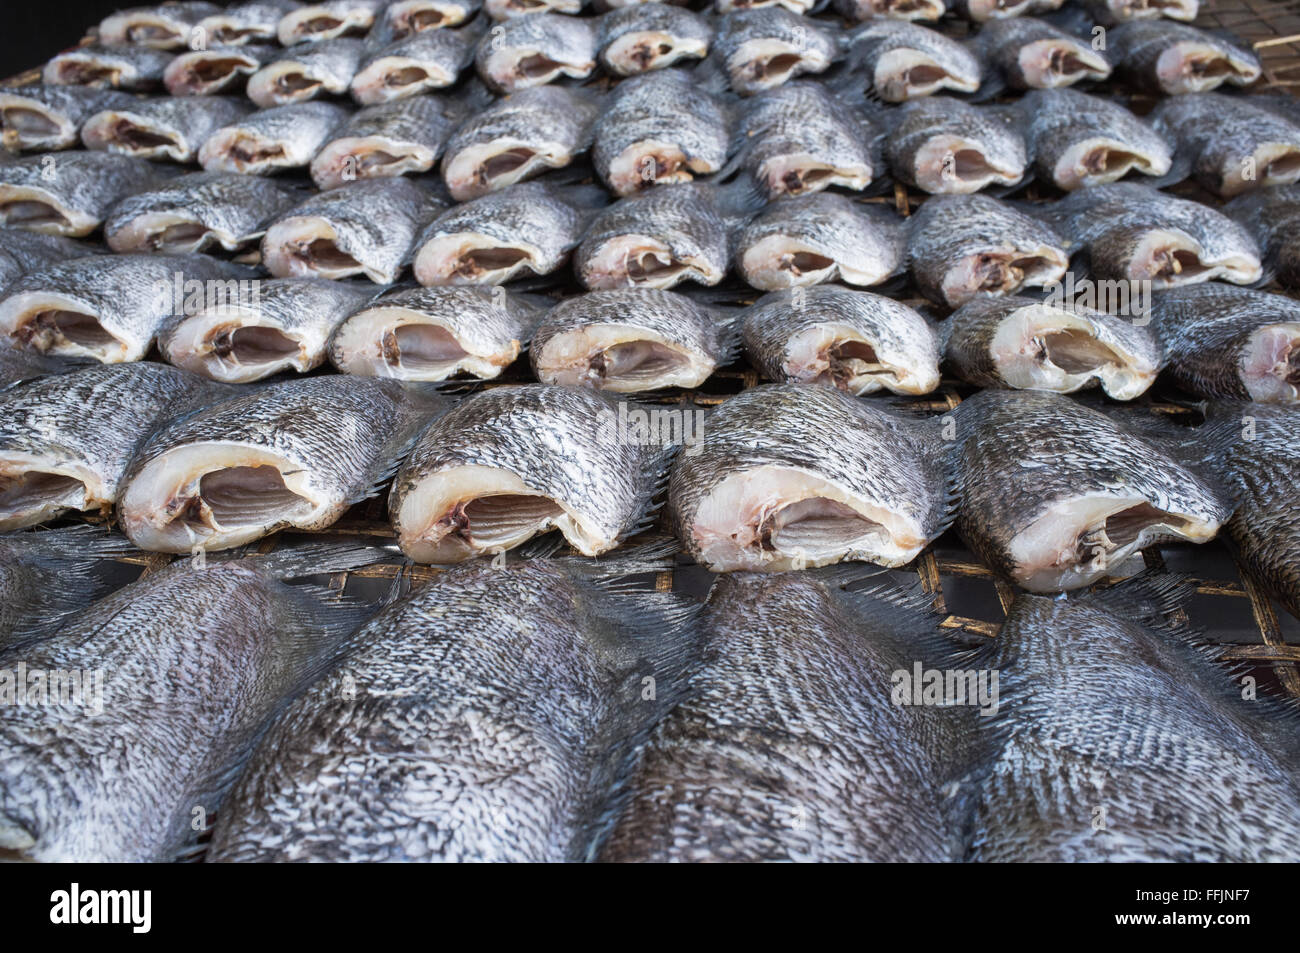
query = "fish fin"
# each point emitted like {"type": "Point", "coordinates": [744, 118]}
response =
{"type": "Point", "coordinates": [312, 558]}
{"type": "Point", "coordinates": [741, 199]}
{"type": "Point", "coordinates": [1180, 168]}
{"type": "Point", "coordinates": [710, 76]}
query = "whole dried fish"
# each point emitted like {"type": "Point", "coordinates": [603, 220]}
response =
{"type": "Point", "coordinates": [764, 47]}
{"type": "Point", "coordinates": [295, 454]}
{"type": "Point", "coordinates": [22, 251]}
{"type": "Point", "coordinates": [1272, 216]}
{"type": "Point", "coordinates": [854, 340]}
{"type": "Point", "coordinates": [43, 118]}
{"type": "Point", "coordinates": [327, 20]}
{"type": "Point", "coordinates": [941, 144]}
{"type": "Point", "coordinates": [650, 36]}
{"type": "Point", "coordinates": [548, 658]}
{"type": "Point", "coordinates": [167, 26]}
{"type": "Point", "coordinates": [163, 128]}
{"type": "Point", "coordinates": [194, 212]}
{"type": "Point", "coordinates": [403, 18]}
{"type": "Point", "coordinates": [250, 22]}
{"type": "Point", "coordinates": [307, 71]}
{"type": "Point", "coordinates": [905, 61]}
{"type": "Point", "coordinates": [512, 462]}
{"type": "Point", "coordinates": [1163, 56]}
{"type": "Point", "coordinates": [1035, 54]}
{"type": "Point", "coordinates": [528, 228]}
{"type": "Point", "coordinates": [119, 67]}
{"type": "Point", "coordinates": [389, 139]}
{"type": "Point", "coordinates": [791, 476]}
{"type": "Point", "coordinates": [859, 10]}
{"type": "Point", "coordinates": [217, 69]}
{"type": "Point", "coordinates": [518, 138]}
{"type": "Point", "coordinates": [962, 245]}
{"type": "Point", "coordinates": [1026, 344]}
{"type": "Point", "coordinates": [432, 334]}
{"type": "Point", "coordinates": [1230, 342]}
{"type": "Point", "coordinates": [1136, 232]}
{"type": "Point", "coordinates": [421, 62]}
{"type": "Point", "coordinates": [179, 673]}
{"type": "Point", "coordinates": [1078, 140]}
{"type": "Point", "coordinates": [285, 137]}
{"type": "Point", "coordinates": [630, 340]}
{"type": "Point", "coordinates": [360, 228]}
{"type": "Point", "coordinates": [66, 440]}
{"type": "Point", "coordinates": [1056, 495]}
{"type": "Point", "coordinates": [659, 128]}
{"type": "Point", "coordinates": [536, 49]}
{"type": "Point", "coordinates": [809, 239]}
{"type": "Point", "coordinates": [286, 325]}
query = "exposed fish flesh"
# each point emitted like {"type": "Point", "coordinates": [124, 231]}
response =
{"type": "Point", "coordinates": [1273, 217]}
{"type": "Point", "coordinates": [518, 138]}
{"type": "Point", "coordinates": [510, 463]}
{"type": "Point", "coordinates": [494, 708]}
{"type": "Point", "coordinates": [167, 26]}
{"type": "Point", "coordinates": [432, 334]}
{"type": "Point", "coordinates": [328, 20]}
{"type": "Point", "coordinates": [507, 9]}
{"type": "Point", "coordinates": [307, 71]}
{"type": "Point", "coordinates": [983, 11]}
{"type": "Point", "coordinates": [764, 47]}
{"type": "Point", "coordinates": [1230, 342]}
{"type": "Point", "coordinates": [286, 137]}
{"type": "Point", "coordinates": [793, 6]}
{"type": "Point", "coordinates": [286, 326]}
{"type": "Point", "coordinates": [859, 10]}
{"type": "Point", "coordinates": [629, 340]}
{"type": "Point", "coordinates": [43, 118]}
{"type": "Point", "coordinates": [360, 228]}
{"type": "Point", "coordinates": [1108, 12]}
{"type": "Point", "coordinates": [419, 63]}
{"type": "Point", "coordinates": [66, 440]}
{"type": "Point", "coordinates": [1056, 495]}
{"type": "Point", "coordinates": [217, 69]}
{"type": "Point", "coordinates": [403, 18]}
{"type": "Point", "coordinates": [941, 144]}
{"type": "Point", "coordinates": [1078, 140]}
{"type": "Point", "coordinates": [195, 212]}
{"type": "Point", "coordinates": [1026, 344]}
{"type": "Point", "coordinates": [22, 251]}
{"type": "Point", "coordinates": [1163, 56]}
{"type": "Point", "coordinates": [389, 139]}
{"type": "Point", "coordinates": [1035, 54]}
{"type": "Point", "coordinates": [660, 128]}
{"type": "Point", "coordinates": [529, 228]}
{"type": "Point", "coordinates": [295, 454]}
{"type": "Point", "coordinates": [905, 61]}
{"type": "Point", "coordinates": [792, 476]}
{"type": "Point", "coordinates": [119, 67]}
{"type": "Point", "coordinates": [163, 128]}
{"type": "Point", "coordinates": [243, 24]}
{"type": "Point", "coordinates": [536, 49]}
{"type": "Point", "coordinates": [962, 245]}
{"type": "Point", "coordinates": [854, 340]}
{"type": "Point", "coordinates": [650, 36]}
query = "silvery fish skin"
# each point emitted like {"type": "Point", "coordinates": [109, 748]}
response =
{"type": "Point", "coordinates": [1230, 342]}
{"type": "Point", "coordinates": [789, 746]}
{"type": "Point", "coordinates": [516, 138]}
{"type": "Point", "coordinates": [119, 67]}
{"type": "Point", "coordinates": [1035, 54]}
{"type": "Point", "coordinates": [108, 307]}
{"type": "Point", "coordinates": [294, 454]}
{"type": "Point", "coordinates": [1027, 344]}
{"type": "Point", "coordinates": [792, 6]}
{"type": "Point", "coordinates": [505, 10]}
{"type": "Point", "coordinates": [243, 24]}
{"type": "Point", "coordinates": [191, 664]}
{"type": "Point", "coordinates": [328, 20]}
{"type": "Point", "coordinates": [68, 193]}
{"type": "Point", "coordinates": [941, 144]}
{"type": "Point", "coordinates": [307, 71]}
{"type": "Point", "coordinates": [549, 657]}
{"type": "Point", "coordinates": [403, 18]}
{"type": "Point", "coordinates": [1273, 217]}
{"type": "Point", "coordinates": [650, 36]}
{"type": "Point", "coordinates": [962, 245]}
{"type": "Point", "coordinates": [421, 62]}
{"type": "Point", "coordinates": [630, 340]}
{"type": "Point", "coordinates": [66, 440]}
{"type": "Point", "coordinates": [660, 128]}
{"type": "Point", "coordinates": [17, 367]}
{"type": "Point", "coordinates": [1079, 140]}
{"type": "Point", "coordinates": [905, 61]}
{"type": "Point", "coordinates": [166, 26]}
{"type": "Point", "coordinates": [810, 239]}
{"type": "Point", "coordinates": [529, 228]}
{"type": "Point", "coordinates": [800, 138]}
{"type": "Point", "coordinates": [536, 49]}
{"type": "Point", "coordinates": [389, 139]}
{"type": "Point", "coordinates": [285, 326]}
{"type": "Point", "coordinates": [164, 128]}
{"type": "Point", "coordinates": [285, 137]}
{"type": "Point", "coordinates": [793, 476]}
{"type": "Point", "coordinates": [197, 211]}
{"type": "Point", "coordinates": [1119, 739]}
{"type": "Point", "coordinates": [860, 10]}
{"type": "Point", "coordinates": [360, 228]}
{"type": "Point", "coordinates": [1163, 56]}
{"type": "Point", "coordinates": [1136, 232]}
{"type": "Point", "coordinates": [510, 463]}
{"type": "Point", "coordinates": [1056, 494]}
{"type": "Point", "coordinates": [764, 47]}
{"type": "Point", "coordinates": [856, 341]}
{"type": "Point", "coordinates": [1234, 146]}
{"type": "Point", "coordinates": [217, 69]}
{"type": "Point", "coordinates": [432, 334]}
{"type": "Point", "coordinates": [22, 251]}
{"type": "Point", "coordinates": [43, 118]}
{"type": "Point", "coordinates": [1108, 12]}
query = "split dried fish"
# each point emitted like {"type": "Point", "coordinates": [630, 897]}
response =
{"type": "Point", "coordinates": [328, 20]}
{"type": "Point", "coordinates": [764, 47]}
{"type": "Point", "coordinates": [904, 60]}
{"type": "Point", "coordinates": [1163, 56]}
{"type": "Point", "coordinates": [1272, 216]}
{"type": "Point", "coordinates": [243, 24]}
{"type": "Point", "coordinates": [424, 61]}
{"type": "Point", "coordinates": [285, 137]}
{"type": "Point", "coordinates": [166, 26]}
{"type": "Point", "coordinates": [217, 69]}
{"type": "Point", "coordinates": [307, 71]}
{"type": "Point", "coordinates": [164, 128]}
{"type": "Point", "coordinates": [135, 68]}
{"type": "Point", "coordinates": [43, 118]}
{"type": "Point", "coordinates": [1035, 54]}
{"type": "Point", "coordinates": [650, 36]}
{"type": "Point", "coordinates": [536, 49]}
{"type": "Point", "coordinates": [941, 144]}
{"type": "Point", "coordinates": [389, 139]}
